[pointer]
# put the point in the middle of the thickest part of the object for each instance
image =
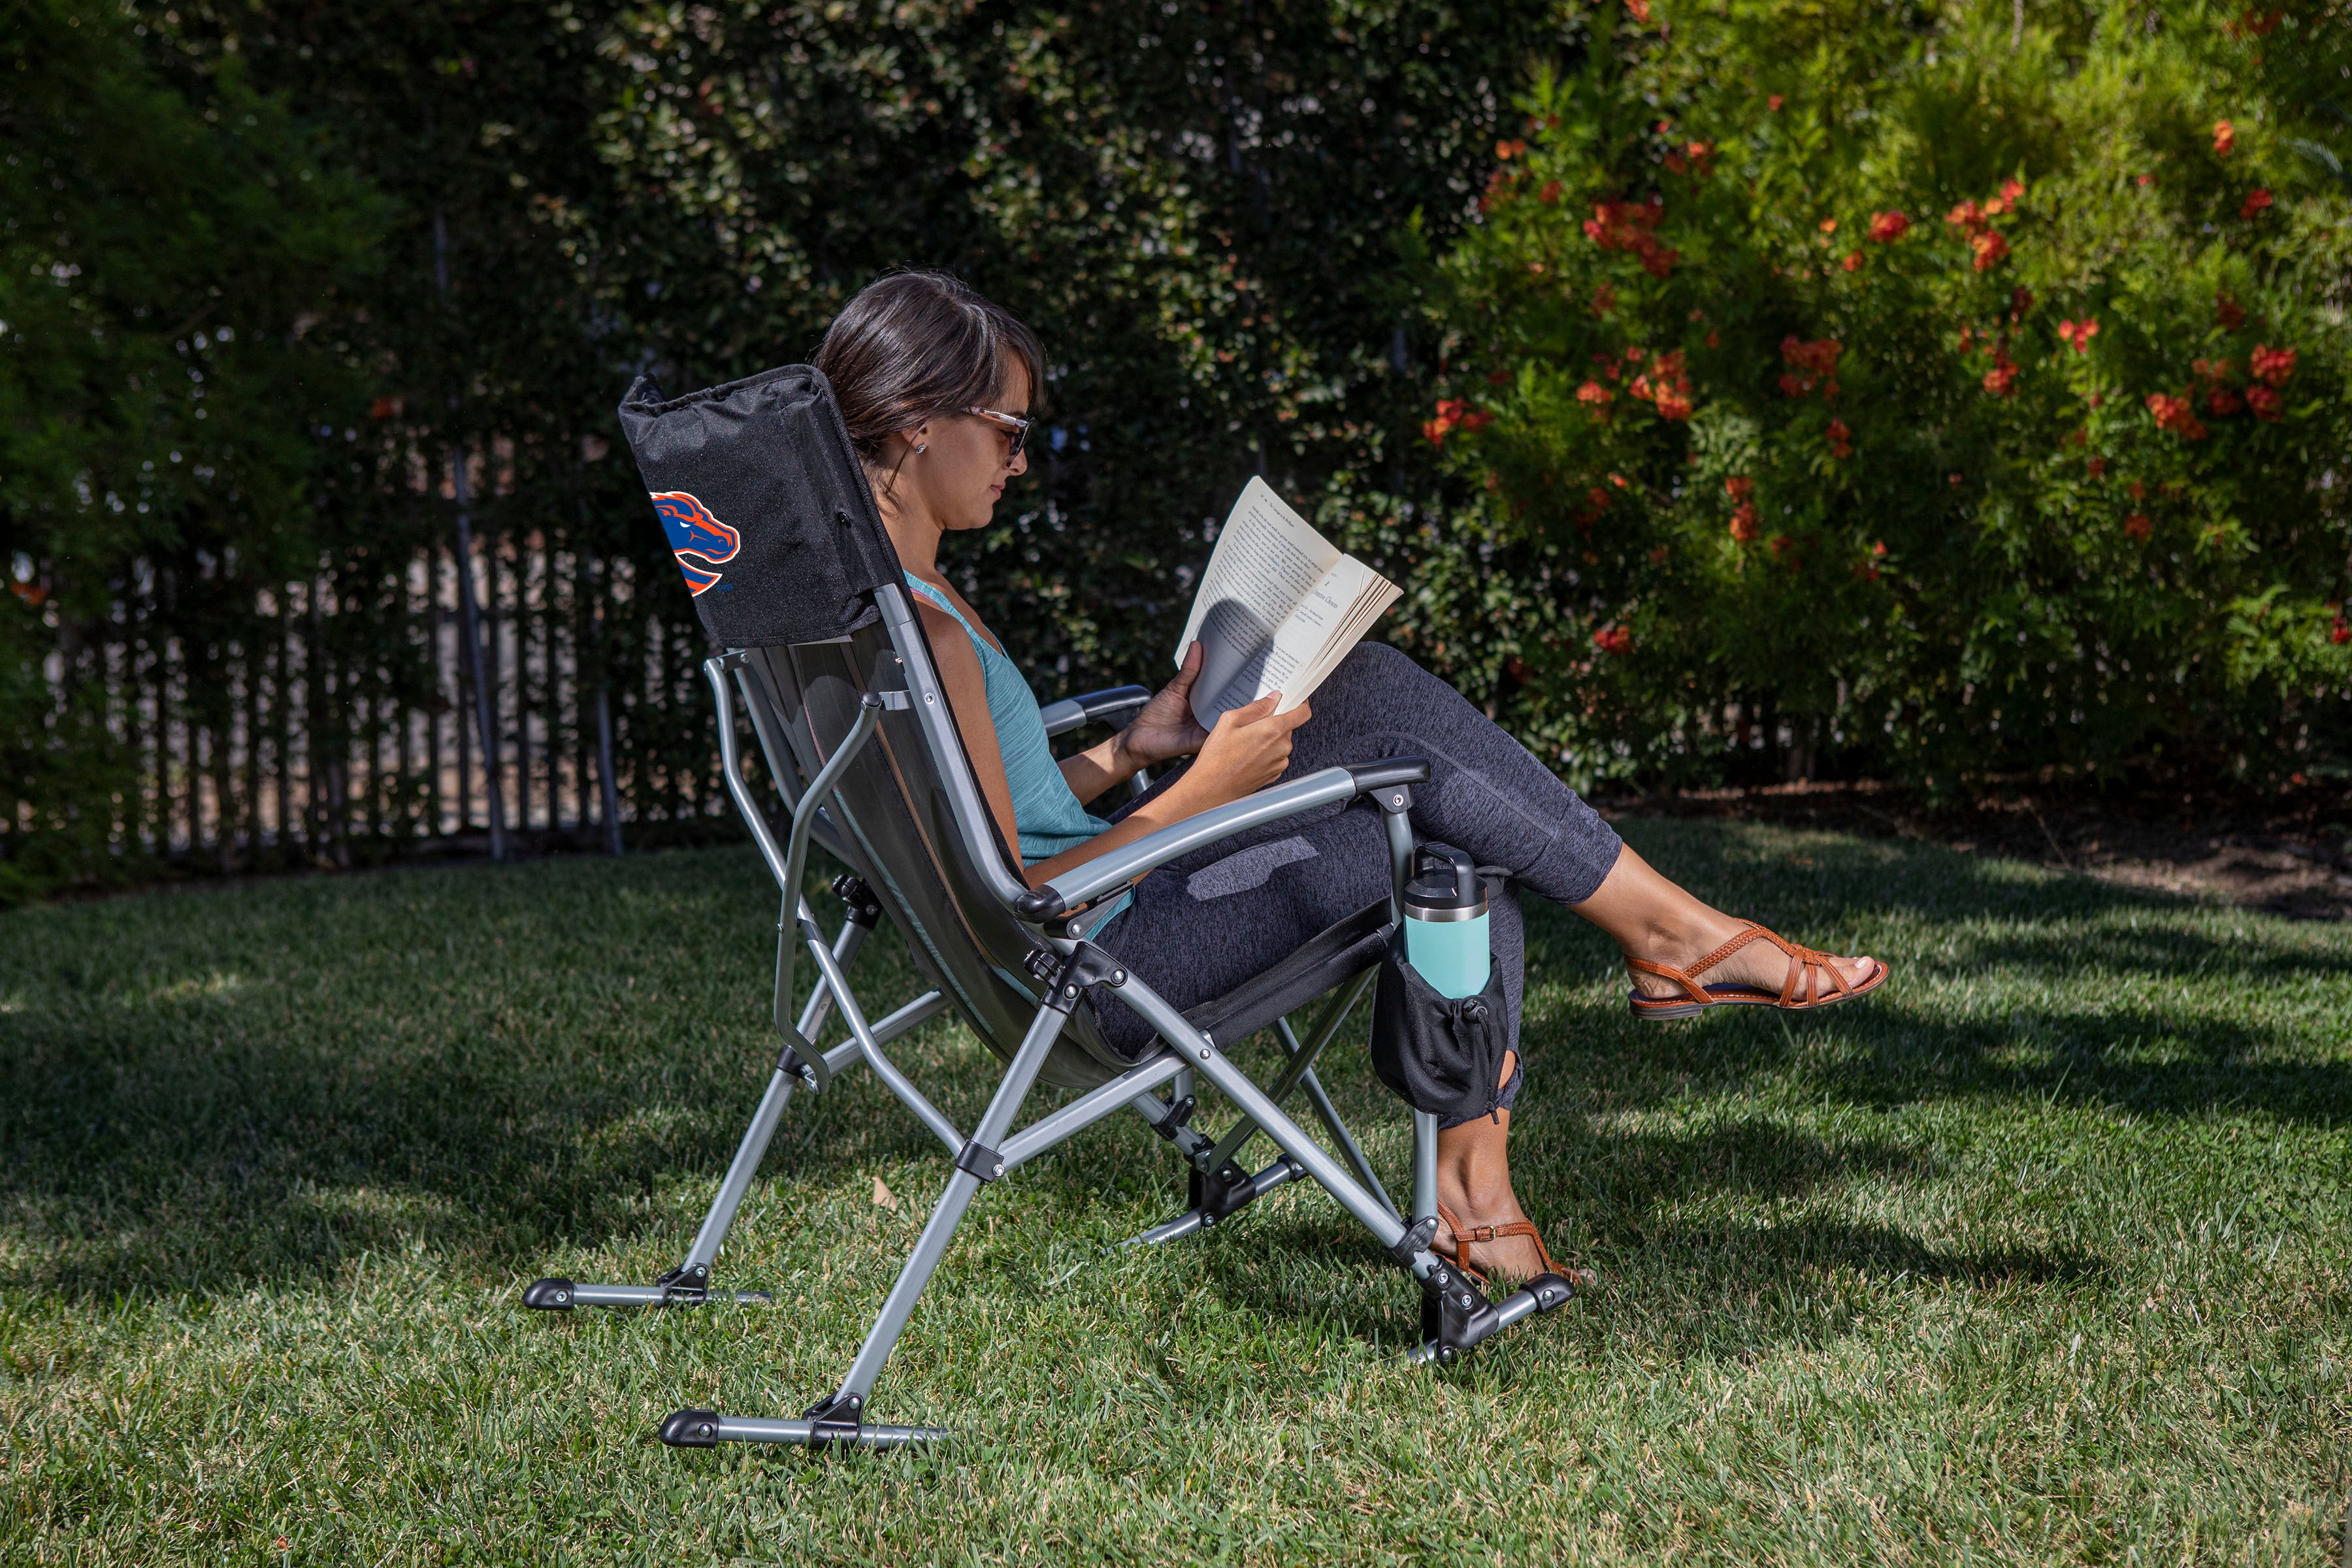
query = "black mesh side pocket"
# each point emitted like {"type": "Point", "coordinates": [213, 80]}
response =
{"type": "Point", "coordinates": [1438, 1055]}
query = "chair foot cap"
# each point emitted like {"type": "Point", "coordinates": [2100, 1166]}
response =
{"type": "Point", "coordinates": [692, 1429]}
{"type": "Point", "coordinates": [550, 1295]}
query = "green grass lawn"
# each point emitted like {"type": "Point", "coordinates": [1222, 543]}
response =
{"type": "Point", "coordinates": [2042, 1255]}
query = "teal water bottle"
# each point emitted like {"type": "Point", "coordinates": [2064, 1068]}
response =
{"type": "Point", "coordinates": [1445, 921]}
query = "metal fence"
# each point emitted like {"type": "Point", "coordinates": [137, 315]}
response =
{"type": "Point", "coordinates": [335, 719]}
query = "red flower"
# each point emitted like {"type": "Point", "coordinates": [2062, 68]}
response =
{"type": "Point", "coordinates": [1641, 9]}
{"type": "Point", "coordinates": [1549, 194]}
{"type": "Point", "coordinates": [2146, 180]}
{"type": "Point", "coordinates": [2079, 333]}
{"type": "Point", "coordinates": [2265, 403]}
{"type": "Point", "coordinates": [2137, 490]}
{"type": "Point", "coordinates": [1614, 640]}
{"type": "Point", "coordinates": [1509, 149]}
{"type": "Point", "coordinates": [1968, 215]}
{"type": "Point", "coordinates": [1853, 263]}
{"type": "Point", "coordinates": [1818, 357]}
{"type": "Point", "coordinates": [1599, 499]}
{"type": "Point", "coordinates": [2256, 200]}
{"type": "Point", "coordinates": [1840, 439]}
{"type": "Point", "coordinates": [2221, 403]}
{"type": "Point", "coordinates": [2229, 312]}
{"type": "Point", "coordinates": [2341, 632]}
{"type": "Point", "coordinates": [1989, 248]}
{"type": "Point", "coordinates": [1449, 414]}
{"type": "Point", "coordinates": [2098, 467]}
{"type": "Point", "coordinates": [1743, 521]}
{"type": "Point", "coordinates": [1887, 228]}
{"type": "Point", "coordinates": [1774, 102]}
{"type": "Point", "coordinates": [2137, 526]}
{"type": "Point", "coordinates": [2273, 366]}
{"type": "Point", "coordinates": [2011, 190]}
{"type": "Point", "coordinates": [1740, 486]}
{"type": "Point", "coordinates": [382, 408]}
{"type": "Point", "coordinates": [2225, 138]}
{"type": "Point", "coordinates": [1477, 419]}
{"type": "Point", "coordinates": [2002, 379]}
{"type": "Point", "coordinates": [1626, 225]}
{"type": "Point", "coordinates": [1595, 396]}
{"type": "Point", "coordinates": [2173, 414]}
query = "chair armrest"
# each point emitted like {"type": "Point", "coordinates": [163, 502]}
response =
{"type": "Point", "coordinates": [1092, 706]}
{"type": "Point", "coordinates": [1082, 884]}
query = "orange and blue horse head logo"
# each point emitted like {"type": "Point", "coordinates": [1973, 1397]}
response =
{"type": "Point", "coordinates": [699, 541]}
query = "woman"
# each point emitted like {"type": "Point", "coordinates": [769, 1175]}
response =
{"type": "Point", "coordinates": [935, 383]}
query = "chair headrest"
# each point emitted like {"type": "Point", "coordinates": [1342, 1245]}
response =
{"type": "Point", "coordinates": [765, 504]}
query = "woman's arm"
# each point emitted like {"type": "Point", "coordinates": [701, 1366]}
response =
{"type": "Point", "coordinates": [1246, 752]}
{"type": "Point", "coordinates": [967, 693]}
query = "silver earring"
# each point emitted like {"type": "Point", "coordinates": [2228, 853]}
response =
{"type": "Point", "coordinates": [923, 447]}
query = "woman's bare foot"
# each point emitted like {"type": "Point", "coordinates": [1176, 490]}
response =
{"type": "Point", "coordinates": [1474, 1186]}
{"type": "Point", "coordinates": [1512, 1258]}
{"type": "Point", "coordinates": [1759, 964]}
{"type": "Point", "coordinates": [1656, 920]}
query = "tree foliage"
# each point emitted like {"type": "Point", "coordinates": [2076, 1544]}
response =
{"type": "Point", "coordinates": [1955, 388]}
{"type": "Point", "coordinates": [160, 391]}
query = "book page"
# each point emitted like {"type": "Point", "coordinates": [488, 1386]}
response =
{"type": "Point", "coordinates": [1344, 606]}
{"type": "Point", "coordinates": [1267, 562]}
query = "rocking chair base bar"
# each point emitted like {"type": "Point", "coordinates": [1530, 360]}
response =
{"type": "Point", "coordinates": [707, 1429]}
{"type": "Point", "coordinates": [563, 1294]}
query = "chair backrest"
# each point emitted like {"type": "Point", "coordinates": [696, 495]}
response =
{"type": "Point", "coordinates": [765, 504]}
{"type": "Point", "coordinates": [908, 815]}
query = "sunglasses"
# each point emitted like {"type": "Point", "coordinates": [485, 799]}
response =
{"type": "Point", "coordinates": [1016, 428]}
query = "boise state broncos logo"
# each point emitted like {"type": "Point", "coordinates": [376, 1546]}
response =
{"type": "Point", "coordinates": [699, 540]}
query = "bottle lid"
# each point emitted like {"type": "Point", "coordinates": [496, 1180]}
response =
{"type": "Point", "coordinates": [1446, 886]}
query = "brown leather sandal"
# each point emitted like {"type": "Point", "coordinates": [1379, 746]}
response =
{"type": "Point", "coordinates": [1807, 970]}
{"type": "Point", "coordinates": [1582, 1279]}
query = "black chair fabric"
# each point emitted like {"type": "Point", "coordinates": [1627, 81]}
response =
{"type": "Point", "coordinates": [765, 505]}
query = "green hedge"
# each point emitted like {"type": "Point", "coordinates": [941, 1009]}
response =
{"type": "Point", "coordinates": [1939, 391]}
{"type": "Point", "coordinates": [1256, 237]}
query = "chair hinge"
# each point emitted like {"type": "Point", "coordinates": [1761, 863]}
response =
{"type": "Point", "coordinates": [682, 1284]}
{"type": "Point", "coordinates": [1169, 1125]}
{"type": "Point", "coordinates": [1415, 1240]}
{"type": "Point", "coordinates": [1087, 965]}
{"type": "Point", "coordinates": [865, 909]}
{"type": "Point", "coordinates": [834, 1418]}
{"type": "Point", "coordinates": [809, 1070]}
{"type": "Point", "coordinates": [979, 1160]}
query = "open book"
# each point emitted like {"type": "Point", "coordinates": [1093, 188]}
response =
{"type": "Point", "coordinates": [1277, 610]}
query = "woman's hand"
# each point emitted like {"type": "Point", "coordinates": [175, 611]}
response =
{"type": "Point", "coordinates": [1164, 727]}
{"type": "Point", "coordinates": [1246, 752]}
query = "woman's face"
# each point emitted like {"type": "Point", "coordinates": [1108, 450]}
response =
{"type": "Point", "coordinates": [962, 469]}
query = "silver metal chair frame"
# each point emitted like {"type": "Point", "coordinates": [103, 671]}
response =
{"type": "Point", "coordinates": [830, 772]}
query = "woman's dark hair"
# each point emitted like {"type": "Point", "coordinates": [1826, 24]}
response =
{"type": "Point", "coordinates": [916, 344]}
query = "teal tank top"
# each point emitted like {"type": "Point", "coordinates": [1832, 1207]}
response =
{"type": "Point", "coordinates": [1048, 815]}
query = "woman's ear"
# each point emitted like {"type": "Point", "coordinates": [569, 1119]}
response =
{"type": "Point", "coordinates": [921, 437]}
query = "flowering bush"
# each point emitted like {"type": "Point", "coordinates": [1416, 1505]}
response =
{"type": "Point", "coordinates": [1970, 397]}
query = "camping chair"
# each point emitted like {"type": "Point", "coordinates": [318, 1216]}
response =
{"type": "Point", "coordinates": [860, 739]}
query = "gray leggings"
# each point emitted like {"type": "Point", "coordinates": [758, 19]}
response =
{"type": "Point", "coordinates": [1202, 925]}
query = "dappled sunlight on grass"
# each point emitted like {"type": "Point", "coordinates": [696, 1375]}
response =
{"type": "Point", "coordinates": [2044, 1250]}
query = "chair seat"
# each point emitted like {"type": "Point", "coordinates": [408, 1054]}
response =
{"type": "Point", "coordinates": [1324, 962]}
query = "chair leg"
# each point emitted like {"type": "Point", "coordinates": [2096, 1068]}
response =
{"type": "Point", "coordinates": [689, 1283]}
{"type": "Point", "coordinates": [1456, 1315]}
{"type": "Point", "coordinates": [1218, 1187]}
{"type": "Point", "coordinates": [839, 1418]}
